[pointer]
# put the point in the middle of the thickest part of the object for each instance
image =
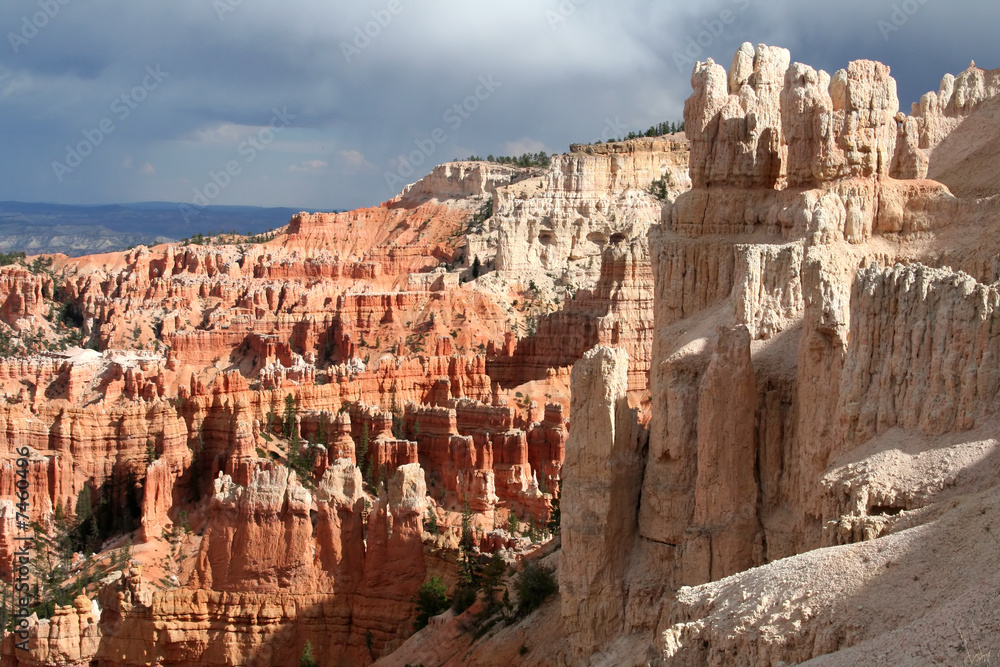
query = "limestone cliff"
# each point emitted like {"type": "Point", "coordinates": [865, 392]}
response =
{"type": "Point", "coordinates": [561, 222]}
{"type": "Point", "coordinates": [604, 468]}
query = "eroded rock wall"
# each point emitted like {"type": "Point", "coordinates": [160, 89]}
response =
{"type": "Point", "coordinates": [821, 372]}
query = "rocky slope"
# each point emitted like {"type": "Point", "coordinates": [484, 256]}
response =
{"type": "Point", "coordinates": [212, 363]}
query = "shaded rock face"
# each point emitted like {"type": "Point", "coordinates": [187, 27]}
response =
{"type": "Point", "coordinates": [331, 580]}
{"type": "Point", "coordinates": [478, 456]}
{"type": "Point", "coordinates": [618, 312]}
{"type": "Point", "coordinates": [944, 325]}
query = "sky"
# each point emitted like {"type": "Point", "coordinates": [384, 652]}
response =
{"type": "Point", "coordinates": [323, 104]}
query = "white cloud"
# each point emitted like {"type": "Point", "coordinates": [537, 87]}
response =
{"type": "Point", "coordinates": [222, 133]}
{"type": "Point", "coordinates": [353, 161]}
{"type": "Point", "coordinates": [524, 145]}
{"type": "Point", "coordinates": [308, 166]}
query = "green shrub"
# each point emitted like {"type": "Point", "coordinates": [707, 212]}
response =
{"type": "Point", "coordinates": [465, 596]}
{"type": "Point", "coordinates": [431, 525]}
{"type": "Point", "coordinates": [431, 600]}
{"type": "Point", "coordinates": [11, 257]}
{"type": "Point", "coordinates": [533, 584]}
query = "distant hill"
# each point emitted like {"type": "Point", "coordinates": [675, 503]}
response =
{"type": "Point", "coordinates": [85, 230]}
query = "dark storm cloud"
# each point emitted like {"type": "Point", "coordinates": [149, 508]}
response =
{"type": "Point", "coordinates": [370, 81]}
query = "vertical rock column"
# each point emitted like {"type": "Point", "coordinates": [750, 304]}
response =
{"type": "Point", "coordinates": [826, 286]}
{"type": "Point", "coordinates": [157, 499]}
{"type": "Point", "coordinates": [602, 476]}
{"type": "Point", "coordinates": [725, 534]}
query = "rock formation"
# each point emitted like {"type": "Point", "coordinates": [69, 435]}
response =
{"type": "Point", "coordinates": [821, 372]}
{"type": "Point", "coordinates": [776, 360]}
{"type": "Point", "coordinates": [618, 312]}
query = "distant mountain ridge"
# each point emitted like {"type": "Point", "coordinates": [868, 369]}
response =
{"type": "Point", "coordinates": [38, 228]}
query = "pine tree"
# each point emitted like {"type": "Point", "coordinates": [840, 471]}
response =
{"type": "Point", "coordinates": [432, 522]}
{"type": "Point", "coordinates": [295, 450]}
{"type": "Point", "coordinates": [93, 539]}
{"type": "Point", "coordinates": [492, 579]}
{"type": "Point", "coordinates": [554, 514]}
{"type": "Point", "coordinates": [291, 409]}
{"type": "Point", "coordinates": [321, 429]}
{"type": "Point", "coordinates": [465, 541]}
{"type": "Point", "coordinates": [199, 448]}
{"type": "Point", "coordinates": [85, 522]}
{"type": "Point", "coordinates": [431, 600]}
{"type": "Point", "coordinates": [468, 570]}
{"type": "Point", "coordinates": [308, 659]}
{"type": "Point", "coordinates": [362, 454]}
{"type": "Point", "coordinates": [512, 524]}
{"type": "Point", "coordinates": [476, 267]}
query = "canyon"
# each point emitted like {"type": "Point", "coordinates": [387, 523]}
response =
{"type": "Point", "coordinates": [749, 369]}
